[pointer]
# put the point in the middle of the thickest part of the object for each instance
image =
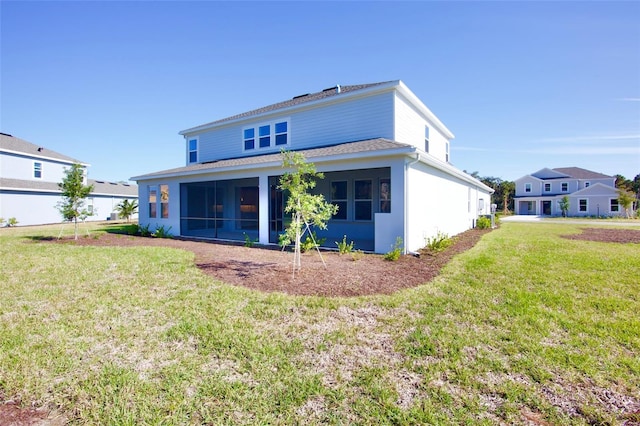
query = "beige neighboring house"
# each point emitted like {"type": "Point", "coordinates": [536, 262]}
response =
{"type": "Point", "coordinates": [29, 177]}
{"type": "Point", "coordinates": [590, 193]}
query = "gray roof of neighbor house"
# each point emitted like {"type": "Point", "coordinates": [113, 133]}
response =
{"type": "Point", "coordinates": [578, 173]}
{"type": "Point", "coordinates": [14, 144]}
{"type": "Point", "coordinates": [99, 187]}
{"type": "Point", "coordinates": [371, 145]}
{"type": "Point", "coordinates": [296, 100]}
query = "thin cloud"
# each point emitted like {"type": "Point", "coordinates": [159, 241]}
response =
{"type": "Point", "coordinates": [602, 150]}
{"type": "Point", "coordinates": [600, 138]}
{"type": "Point", "coordinates": [629, 99]}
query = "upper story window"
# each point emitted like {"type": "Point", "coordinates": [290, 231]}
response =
{"type": "Point", "coordinates": [527, 187]}
{"type": "Point", "coordinates": [447, 152]}
{"type": "Point", "coordinates": [37, 170]}
{"type": "Point", "coordinates": [426, 138]}
{"type": "Point", "coordinates": [268, 135]}
{"type": "Point", "coordinates": [547, 187]}
{"type": "Point", "coordinates": [565, 186]}
{"type": "Point", "coordinates": [193, 150]}
{"type": "Point", "coordinates": [587, 184]}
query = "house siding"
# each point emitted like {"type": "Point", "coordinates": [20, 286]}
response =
{"type": "Point", "coordinates": [410, 129]}
{"type": "Point", "coordinates": [358, 119]}
{"type": "Point", "coordinates": [17, 166]}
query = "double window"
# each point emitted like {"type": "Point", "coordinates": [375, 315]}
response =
{"type": "Point", "coordinates": [565, 186]}
{"type": "Point", "coordinates": [582, 205]}
{"type": "Point", "coordinates": [163, 201]}
{"type": "Point", "coordinates": [37, 170]}
{"type": "Point", "coordinates": [547, 187]}
{"type": "Point", "coordinates": [266, 135]}
{"type": "Point", "coordinates": [193, 150]}
{"type": "Point", "coordinates": [614, 206]}
{"type": "Point", "coordinates": [339, 198]}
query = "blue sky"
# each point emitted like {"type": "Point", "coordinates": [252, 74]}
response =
{"type": "Point", "coordinates": [522, 85]}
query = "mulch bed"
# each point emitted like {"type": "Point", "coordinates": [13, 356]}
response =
{"type": "Point", "coordinates": [270, 270]}
{"type": "Point", "coordinates": [607, 235]}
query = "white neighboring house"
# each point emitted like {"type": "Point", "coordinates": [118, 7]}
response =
{"type": "Point", "coordinates": [29, 177]}
{"type": "Point", "coordinates": [384, 154]}
{"type": "Point", "coordinates": [590, 193]}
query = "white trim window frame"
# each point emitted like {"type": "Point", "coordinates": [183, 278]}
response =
{"type": "Point", "coordinates": [275, 134]}
{"type": "Point", "coordinates": [192, 150]}
{"type": "Point", "coordinates": [426, 139]}
{"type": "Point", "coordinates": [547, 187]}
{"type": "Point", "coordinates": [614, 205]}
{"type": "Point", "coordinates": [527, 187]}
{"type": "Point", "coordinates": [565, 186]}
{"type": "Point", "coordinates": [340, 198]}
{"type": "Point", "coordinates": [447, 151]}
{"type": "Point", "coordinates": [153, 201]}
{"type": "Point", "coordinates": [363, 200]}
{"type": "Point", "coordinates": [583, 207]}
{"type": "Point", "coordinates": [37, 170]}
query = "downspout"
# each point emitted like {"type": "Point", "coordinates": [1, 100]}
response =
{"type": "Point", "coordinates": [407, 166]}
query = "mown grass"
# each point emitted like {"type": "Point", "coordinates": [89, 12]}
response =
{"type": "Point", "coordinates": [525, 327]}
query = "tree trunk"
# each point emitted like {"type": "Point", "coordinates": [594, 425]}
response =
{"type": "Point", "coordinates": [75, 228]}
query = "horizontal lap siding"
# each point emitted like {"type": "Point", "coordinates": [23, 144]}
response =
{"type": "Point", "coordinates": [410, 129]}
{"type": "Point", "coordinates": [359, 119]}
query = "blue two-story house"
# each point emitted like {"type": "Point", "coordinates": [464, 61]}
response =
{"type": "Point", "coordinates": [386, 159]}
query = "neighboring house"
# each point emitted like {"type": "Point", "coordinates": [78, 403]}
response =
{"type": "Point", "coordinates": [29, 177]}
{"type": "Point", "coordinates": [590, 193]}
{"type": "Point", "coordinates": [384, 154]}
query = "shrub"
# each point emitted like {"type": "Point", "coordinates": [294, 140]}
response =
{"type": "Point", "coordinates": [162, 232]}
{"type": "Point", "coordinates": [343, 247]}
{"type": "Point", "coordinates": [357, 255]}
{"type": "Point", "coordinates": [144, 230]}
{"type": "Point", "coordinates": [438, 242]}
{"type": "Point", "coordinates": [12, 221]}
{"type": "Point", "coordinates": [483, 222]}
{"type": "Point", "coordinates": [311, 242]}
{"type": "Point", "coordinates": [395, 252]}
{"type": "Point", "coordinates": [248, 242]}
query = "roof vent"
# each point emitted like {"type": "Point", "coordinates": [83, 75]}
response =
{"type": "Point", "coordinates": [338, 89]}
{"type": "Point", "coordinates": [335, 88]}
{"type": "Point", "coordinates": [301, 96]}
{"type": "Point", "coordinates": [40, 149]}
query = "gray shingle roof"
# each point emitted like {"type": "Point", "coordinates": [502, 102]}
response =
{"type": "Point", "coordinates": [11, 143]}
{"type": "Point", "coordinates": [296, 100]}
{"type": "Point", "coordinates": [578, 173]}
{"type": "Point", "coordinates": [100, 187]}
{"type": "Point", "coordinates": [379, 145]}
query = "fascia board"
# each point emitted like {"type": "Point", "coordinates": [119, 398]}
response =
{"type": "Point", "coordinates": [41, 157]}
{"type": "Point", "coordinates": [13, 188]}
{"type": "Point", "coordinates": [296, 108]}
{"type": "Point", "coordinates": [528, 177]}
{"type": "Point", "coordinates": [278, 164]}
{"type": "Point", "coordinates": [411, 97]}
{"type": "Point", "coordinates": [449, 169]}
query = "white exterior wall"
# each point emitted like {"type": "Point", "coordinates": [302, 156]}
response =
{"type": "Point", "coordinates": [438, 202]}
{"type": "Point", "coordinates": [410, 129]}
{"type": "Point", "coordinates": [30, 208]}
{"type": "Point", "coordinates": [351, 120]}
{"type": "Point", "coordinates": [16, 166]}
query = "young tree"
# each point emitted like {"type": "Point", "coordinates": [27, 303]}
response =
{"type": "Point", "coordinates": [626, 199]}
{"type": "Point", "coordinates": [74, 193]}
{"type": "Point", "coordinates": [564, 205]}
{"type": "Point", "coordinates": [127, 208]}
{"type": "Point", "coordinates": [306, 209]}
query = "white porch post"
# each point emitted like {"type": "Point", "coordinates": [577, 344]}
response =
{"type": "Point", "coordinates": [263, 213]}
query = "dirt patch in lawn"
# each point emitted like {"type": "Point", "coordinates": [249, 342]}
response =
{"type": "Point", "coordinates": [270, 270]}
{"type": "Point", "coordinates": [607, 235]}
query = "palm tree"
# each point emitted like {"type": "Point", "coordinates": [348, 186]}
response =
{"type": "Point", "coordinates": [127, 208]}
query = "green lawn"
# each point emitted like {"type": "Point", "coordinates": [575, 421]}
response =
{"type": "Point", "coordinates": [525, 328]}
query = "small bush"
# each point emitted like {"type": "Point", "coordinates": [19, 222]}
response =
{"type": "Point", "coordinates": [311, 242]}
{"type": "Point", "coordinates": [343, 247]}
{"type": "Point", "coordinates": [144, 230]}
{"type": "Point", "coordinates": [438, 242]}
{"type": "Point", "coordinates": [395, 252]}
{"type": "Point", "coordinates": [357, 255]}
{"type": "Point", "coordinates": [248, 242]}
{"type": "Point", "coordinates": [162, 232]}
{"type": "Point", "coordinates": [483, 223]}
